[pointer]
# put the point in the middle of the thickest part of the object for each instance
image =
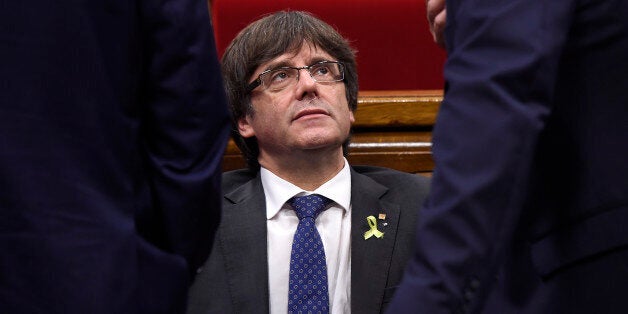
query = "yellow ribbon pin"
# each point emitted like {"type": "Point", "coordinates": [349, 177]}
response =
{"type": "Point", "coordinates": [373, 232]}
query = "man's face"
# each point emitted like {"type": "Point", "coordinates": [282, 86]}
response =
{"type": "Point", "coordinates": [302, 117]}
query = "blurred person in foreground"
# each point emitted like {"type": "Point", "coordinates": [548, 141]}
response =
{"type": "Point", "coordinates": [292, 86]}
{"type": "Point", "coordinates": [529, 199]}
{"type": "Point", "coordinates": [113, 121]}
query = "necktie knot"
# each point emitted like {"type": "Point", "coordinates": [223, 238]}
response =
{"type": "Point", "coordinates": [309, 205]}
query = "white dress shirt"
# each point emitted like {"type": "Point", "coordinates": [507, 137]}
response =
{"type": "Point", "coordinates": [334, 226]}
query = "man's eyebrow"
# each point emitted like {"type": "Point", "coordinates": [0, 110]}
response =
{"type": "Point", "coordinates": [285, 63]}
{"type": "Point", "coordinates": [319, 59]}
{"type": "Point", "coordinates": [276, 65]}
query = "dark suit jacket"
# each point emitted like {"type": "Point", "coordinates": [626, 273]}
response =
{"type": "Point", "coordinates": [112, 126]}
{"type": "Point", "coordinates": [235, 277]}
{"type": "Point", "coordinates": [529, 201]}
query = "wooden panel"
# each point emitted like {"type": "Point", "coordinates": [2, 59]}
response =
{"type": "Point", "coordinates": [393, 129]}
{"type": "Point", "coordinates": [397, 108]}
{"type": "Point", "coordinates": [409, 151]}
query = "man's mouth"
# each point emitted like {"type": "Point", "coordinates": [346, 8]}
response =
{"type": "Point", "coordinates": [309, 112]}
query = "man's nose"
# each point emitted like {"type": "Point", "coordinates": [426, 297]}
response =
{"type": "Point", "coordinates": [305, 84]}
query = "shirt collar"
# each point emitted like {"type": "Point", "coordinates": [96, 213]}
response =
{"type": "Point", "coordinates": [278, 191]}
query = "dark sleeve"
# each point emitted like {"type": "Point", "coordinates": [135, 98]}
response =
{"type": "Point", "coordinates": [185, 127]}
{"type": "Point", "coordinates": [502, 62]}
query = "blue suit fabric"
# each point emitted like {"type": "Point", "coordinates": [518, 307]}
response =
{"type": "Point", "coordinates": [529, 198]}
{"type": "Point", "coordinates": [113, 121]}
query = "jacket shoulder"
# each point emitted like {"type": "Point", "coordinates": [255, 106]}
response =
{"type": "Point", "coordinates": [235, 178]}
{"type": "Point", "coordinates": [393, 178]}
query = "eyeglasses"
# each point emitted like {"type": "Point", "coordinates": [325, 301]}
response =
{"type": "Point", "coordinates": [280, 78]}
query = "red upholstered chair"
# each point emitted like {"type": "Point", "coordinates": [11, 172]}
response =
{"type": "Point", "coordinates": [395, 50]}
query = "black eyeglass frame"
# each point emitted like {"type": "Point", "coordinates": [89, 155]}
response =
{"type": "Point", "coordinates": [253, 85]}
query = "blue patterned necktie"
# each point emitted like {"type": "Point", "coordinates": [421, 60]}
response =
{"type": "Point", "coordinates": [308, 269]}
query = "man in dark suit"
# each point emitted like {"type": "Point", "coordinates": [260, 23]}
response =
{"type": "Point", "coordinates": [529, 201]}
{"type": "Point", "coordinates": [292, 86]}
{"type": "Point", "coordinates": [113, 121]}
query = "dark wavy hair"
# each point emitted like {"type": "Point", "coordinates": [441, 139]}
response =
{"type": "Point", "coordinates": [267, 38]}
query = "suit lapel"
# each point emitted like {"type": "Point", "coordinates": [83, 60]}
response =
{"type": "Point", "coordinates": [244, 243]}
{"type": "Point", "coordinates": [370, 259]}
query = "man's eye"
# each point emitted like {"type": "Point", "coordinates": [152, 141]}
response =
{"type": "Point", "coordinates": [320, 71]}
{"type": "Point", "coordinates": [279, 76]}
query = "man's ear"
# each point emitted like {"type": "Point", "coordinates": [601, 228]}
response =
{"type": "Point", "coordinates": [351, 117]}
{"type": "Point", "coordinates": [245, 128]}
